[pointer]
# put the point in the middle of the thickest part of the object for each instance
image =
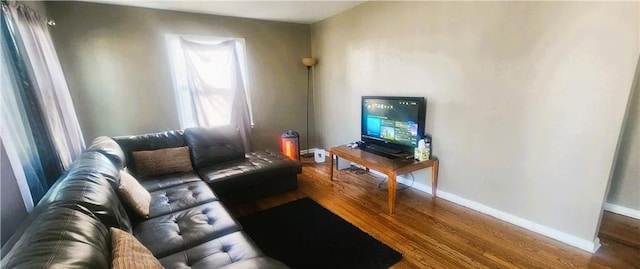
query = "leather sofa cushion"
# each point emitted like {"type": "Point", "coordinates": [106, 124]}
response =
{"type": "Point", "coordinates": [180, 197]}
{"type": "Point", "coordinates": [61, 238]}
{"type": "Point", "coordinates": [128, 252]}
{"type": "Point", "coordinates": [233, 175]}
{"type": "Point", "coordinates": [109, 148]}
{"type": "Point", "coordinates": [92, 192]}
{"type": "Point", "coordinates": [215, 145]}
{"type": "Point", "coordinates": [165, 181]}
{"type": "Point", "coordinates": [184, 229]}
{"type": "Point", "coordinates": [89, 186]}
{"type": "Point", "coordinates": [162, 161]}
{"type": "Point", "coordinates": [92, 162]}
{"type": "Point", "coordinates": [134, 195]}
{"type": "Point", "coordinates": [257, 263]}
{"type": "Point", "coordinates": [92, 195]}
{"type": "Point", "coordinates": [129, 144]}
{"type": "Point", "coordinates": [216, 253]}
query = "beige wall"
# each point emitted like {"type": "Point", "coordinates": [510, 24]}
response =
{"type": "Point", "coordinates": [115, 61]}
{"type": "Point", "coordinates": [625, 184]}
{"type": "Point", "coordinates": [525, 100]}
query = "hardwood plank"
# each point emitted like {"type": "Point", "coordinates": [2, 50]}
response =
{"type": "Point", "coordinates": [621, 229]}
{"type": "Point", "coordinates": [435, 233]}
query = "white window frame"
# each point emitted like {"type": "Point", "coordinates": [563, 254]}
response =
{"type": "Point", "coordinates": [178, 73]}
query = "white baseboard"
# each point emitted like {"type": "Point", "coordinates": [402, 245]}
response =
{"type": "Point", "coordinates": [305, 151]}
{"type": "Point", "coordinates": [618, 209]}
{"type": "Point", "coordinates": [402, 180]}
{"type": "Point", "coordinates": [581, 243]}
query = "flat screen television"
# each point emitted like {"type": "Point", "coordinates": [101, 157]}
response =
{"type": "Point", "coordinates": [391, 124]}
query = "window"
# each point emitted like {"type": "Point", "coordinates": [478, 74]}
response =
{"type": "Point", "coordinates": [204, 78]}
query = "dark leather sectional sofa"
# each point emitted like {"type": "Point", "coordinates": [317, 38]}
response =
{"type": "Point", "coordinates": [188, 224]}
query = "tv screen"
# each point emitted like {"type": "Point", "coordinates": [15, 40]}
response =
{"type": "Point", "coordinates": [395, 122]}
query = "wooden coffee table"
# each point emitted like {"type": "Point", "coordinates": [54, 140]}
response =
{"type": "Point", "coordinates": [390, 167]}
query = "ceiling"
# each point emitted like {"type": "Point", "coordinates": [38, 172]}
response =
{"type": "Point", "coordinates": [306, 12]}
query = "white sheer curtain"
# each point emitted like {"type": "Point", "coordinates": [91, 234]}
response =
{"type": "Point", "coordinates": [215, 86]}
{"type": "Point", "coordinates": [52, 89]}
{"type": "Point", "coordinates": [17, 136]}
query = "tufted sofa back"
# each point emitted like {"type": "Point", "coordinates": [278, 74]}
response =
{"type": "Point", "coordinates": [206, 146]}
{"type": "Point", "coordinates": [154, 141]}
{"type": "Point", "coordinates": [213, 146]}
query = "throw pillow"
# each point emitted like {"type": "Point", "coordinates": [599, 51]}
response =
{"type": "Point", "coordinates": [136, 196]}
{"type": "Point", "coordinates": [162, 161]}
{"type": "Point", "coordinates": [128, 252]}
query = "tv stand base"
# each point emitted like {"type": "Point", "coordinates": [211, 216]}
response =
{"type": "Point", "coordinates": [390, 167]}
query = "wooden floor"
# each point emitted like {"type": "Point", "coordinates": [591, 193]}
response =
{"type": "Point", "coordinates": [440, 234]}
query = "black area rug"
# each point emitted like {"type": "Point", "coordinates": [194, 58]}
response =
{"type": "Point", "coordinates": [303, 234]}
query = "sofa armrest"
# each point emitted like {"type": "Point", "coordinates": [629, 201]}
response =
{"type": "Point", "coordinates": [109, 148]}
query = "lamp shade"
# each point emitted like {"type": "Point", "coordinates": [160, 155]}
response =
{"type": "Point", "coordinates": [308, 62]}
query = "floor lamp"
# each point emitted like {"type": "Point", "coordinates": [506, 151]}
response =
{"type": "Point", "coordinates": [308, 62]}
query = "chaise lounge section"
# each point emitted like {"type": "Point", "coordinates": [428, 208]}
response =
{"type": "Point", "coordinates": [188, 224]}
{"type": "Point", "coordinates": [218, 158]}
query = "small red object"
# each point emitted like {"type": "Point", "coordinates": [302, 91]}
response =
{"type": "Point", "coordinates": [290, 144]}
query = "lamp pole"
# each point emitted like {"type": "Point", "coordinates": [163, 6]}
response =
{"type": "Point", "coordinates": [308, 154]}
{"type": "Point", "coordinates": [308, 62]}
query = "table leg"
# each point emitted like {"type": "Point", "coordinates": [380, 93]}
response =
{"type": "Point", "coordinates": [331, 166]}
{"type": "Point", "coordinates": [392, 191]}
{"type": "Point", "coordinates": [434, 177]}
